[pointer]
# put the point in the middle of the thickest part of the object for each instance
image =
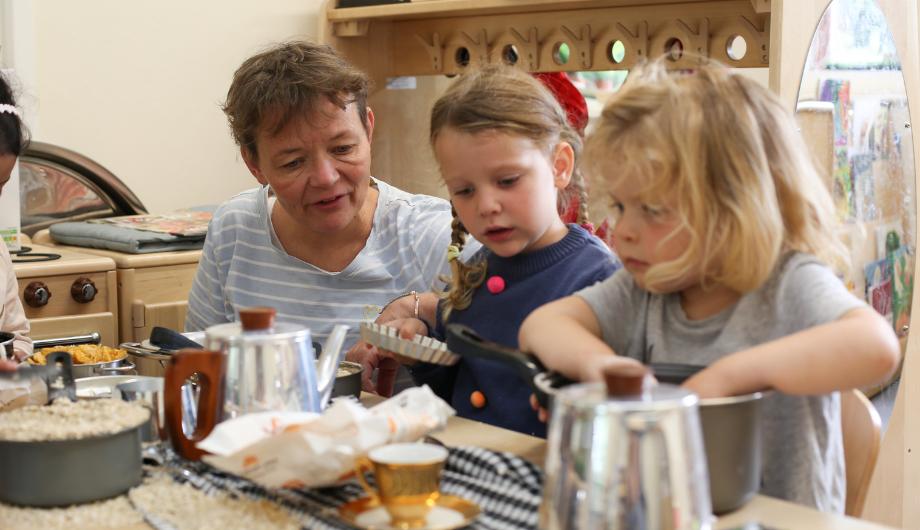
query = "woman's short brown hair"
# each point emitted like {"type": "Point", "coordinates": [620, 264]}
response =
{"type": "Point", "coordinates": [285, 81]}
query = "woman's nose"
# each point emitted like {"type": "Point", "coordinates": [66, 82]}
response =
{"type": "Point", "coordinates": [323, 173]}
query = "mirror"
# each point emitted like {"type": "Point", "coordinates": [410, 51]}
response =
{"type": "Point", "coordinates": [853, 113]}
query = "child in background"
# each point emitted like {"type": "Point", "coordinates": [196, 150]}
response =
{"type": "Point", "coordinates": [13, 141]}
{"type": "Point", "coordinates": [508, 157]}
{"type": "Point", "coordinates": [724, 229]}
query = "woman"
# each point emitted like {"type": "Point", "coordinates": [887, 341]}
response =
{"type": "Point", "coordinates": [320, 240]}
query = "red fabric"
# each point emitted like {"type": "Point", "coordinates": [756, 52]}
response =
{"type": "Point", "coordinates": [573, 103]}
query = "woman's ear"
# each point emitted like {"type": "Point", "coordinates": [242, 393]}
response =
{"type": "Point", "coordinates": [252, 164]}
{"type": "Point", "coordinates": [563, 160]}
{"type": "Point", "coordinates": [370, 125]}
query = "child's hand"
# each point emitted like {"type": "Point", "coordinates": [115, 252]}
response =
{"type": "Point", "coordinates": [712, 382]}
{"type": "Point", "coordinates": [593, 370]}
{"type": "Point", "coordinates": [408, 329]}
{"type": "Point", "coordinates": [542, 413]}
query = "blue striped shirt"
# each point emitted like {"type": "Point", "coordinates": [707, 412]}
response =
{"type": "Point", "coordinates": [243, 265]}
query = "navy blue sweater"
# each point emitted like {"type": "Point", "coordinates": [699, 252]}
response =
{"type": "Point", "coordinates": [531, 280]}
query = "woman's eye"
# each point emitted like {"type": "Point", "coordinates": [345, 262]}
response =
{"type": "Point", "coordinates": [343, 149]}
{"type": "Point", "coordinates": [293, 164]}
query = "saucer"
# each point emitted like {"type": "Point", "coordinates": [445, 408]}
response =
{"type": "Point", "coordinates": [449, 512]}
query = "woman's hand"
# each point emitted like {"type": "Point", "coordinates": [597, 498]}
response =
{"type": "Point", "coordinates": [385, 363]}
{"type": "Point", "coordinates": [372, 359]}
{"type": "Point", "coordinates": [7, 366]}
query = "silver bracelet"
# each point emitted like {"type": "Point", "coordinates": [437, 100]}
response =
{"type": "Point", "coordinates": [410, 293]}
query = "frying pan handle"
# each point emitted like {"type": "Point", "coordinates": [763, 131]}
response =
{"type": "Point", "coordinates": [465, 342]}
{"type": "Point", "coordinates": [462, 340]}
{"type": "Point", "coordinates": [210, 366]}
{"type": "Point", "coordinates": [61, 385]}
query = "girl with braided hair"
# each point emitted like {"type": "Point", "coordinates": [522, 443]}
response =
{"type": "Point", "coordinates": [508, 158]}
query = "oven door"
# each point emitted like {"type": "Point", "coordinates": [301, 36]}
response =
{"type": "Point", "coordinates": [57, 184]}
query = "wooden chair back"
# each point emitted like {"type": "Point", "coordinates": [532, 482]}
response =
{"type": "Point", "coordinates": [862, 434]}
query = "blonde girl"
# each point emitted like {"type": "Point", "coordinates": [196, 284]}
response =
{"type": "Point", "coordinates": [508, 159]}
{"type": "Point", "coordinates": [724, 229]}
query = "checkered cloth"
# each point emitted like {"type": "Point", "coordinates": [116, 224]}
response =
{"type": "Point", "coordinates": [505, 487]}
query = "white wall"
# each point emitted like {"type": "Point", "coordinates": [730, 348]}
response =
{"type": "Point", "coordinates": [136, 86]}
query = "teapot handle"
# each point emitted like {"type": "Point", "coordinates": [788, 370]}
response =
{"type": "Point", "coordinates": [210, 366]}
{"type": "Point", "coordinates": [329, 361]}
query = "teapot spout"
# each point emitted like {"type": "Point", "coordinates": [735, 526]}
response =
{"type": "Point", "coordinates": [329, 361]}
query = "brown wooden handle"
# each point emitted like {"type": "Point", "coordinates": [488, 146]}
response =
{"type": "Point", "coordinates": [210, 366]}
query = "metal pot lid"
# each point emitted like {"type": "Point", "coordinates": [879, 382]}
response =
{"type": "Point", "coordinates": [660, 397]}
{"type": "Point", "coordinates": [232, 333]}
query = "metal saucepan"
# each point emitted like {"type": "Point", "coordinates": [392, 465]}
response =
{"type": "Point", "coordinates": [118, 366]}
{"type": "Point", "coordinates": [66, 472]}
{"type": "Point", "coordinates": [348, 380]}
{"type": "Point", "coordinates": [731, 425]}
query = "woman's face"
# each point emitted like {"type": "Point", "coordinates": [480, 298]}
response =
{"type": "Point", "coordinates": [6, 168]}
{"type": "Point", "coordinates": [318, 166]}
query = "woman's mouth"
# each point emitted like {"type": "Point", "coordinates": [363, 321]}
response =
{"type": "Point", "coordinates": [330, 202]}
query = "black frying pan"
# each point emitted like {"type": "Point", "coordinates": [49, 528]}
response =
{"type": "Point", "coordinates": [465, 342]}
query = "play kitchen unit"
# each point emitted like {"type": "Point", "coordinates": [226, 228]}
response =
{"type": "Point", "coordinates": [69, 300]}
{"type": "Point", "coordinates": [152, 288]}
{"type": "Point", "coordinates": [686, 463]}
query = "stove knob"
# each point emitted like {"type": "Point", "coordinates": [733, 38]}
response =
{"type": "Point", "coordinates": [83, 290]}
{"type": "Point", "coordinates": [36, 294]}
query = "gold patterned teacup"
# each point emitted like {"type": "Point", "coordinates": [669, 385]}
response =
{"type": "Point", "coordinates": [408, 479]}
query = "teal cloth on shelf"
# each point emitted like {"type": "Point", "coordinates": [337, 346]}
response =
{"type": "Point", "coordinates": [129, 240]}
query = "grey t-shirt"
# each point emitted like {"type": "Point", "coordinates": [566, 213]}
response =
{"type": "Point", "coordinates": [803, 448]}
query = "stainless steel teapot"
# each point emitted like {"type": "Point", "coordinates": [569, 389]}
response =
{"type": "Point", "coordinates": [255, 365]}
{"type": "Point", "coordinates": [272, 366]}
{"type": "Point", "coordinates": [624, 457]}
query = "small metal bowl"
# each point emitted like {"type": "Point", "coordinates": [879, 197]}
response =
{"type": "Point", "coordinates": [348, 380]}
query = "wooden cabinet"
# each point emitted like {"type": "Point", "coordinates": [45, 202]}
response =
{"type": "Point", "coordinates": [152, 289]}
{"type": "Point", "coordinates": [56, 295]}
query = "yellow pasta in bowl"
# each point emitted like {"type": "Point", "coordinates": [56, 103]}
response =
{"type": "Point", "coordinates": [81, 354]}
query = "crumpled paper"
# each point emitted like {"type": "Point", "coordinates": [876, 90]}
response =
{"type": "Point", "coordinates": [306, 450]}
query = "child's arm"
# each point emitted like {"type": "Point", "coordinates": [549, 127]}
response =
{"type": "Point", "coordinates": [858, 349]}
{"type": "Point", "coordinates": [565, 336]}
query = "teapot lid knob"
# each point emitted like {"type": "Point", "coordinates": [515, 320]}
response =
{"type": "Point", "coordinates": [257, 318]}
{"type": "Point", "coordinates": [625, 381]}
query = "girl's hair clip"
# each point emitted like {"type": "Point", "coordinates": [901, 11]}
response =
{"type": "Point", "coordinates": [6, 108]}
{"type": "Point", "coordinates": [453, 252]}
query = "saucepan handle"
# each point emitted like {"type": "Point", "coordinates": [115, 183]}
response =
{"type": "Point", "coordinates": [210, 366]}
